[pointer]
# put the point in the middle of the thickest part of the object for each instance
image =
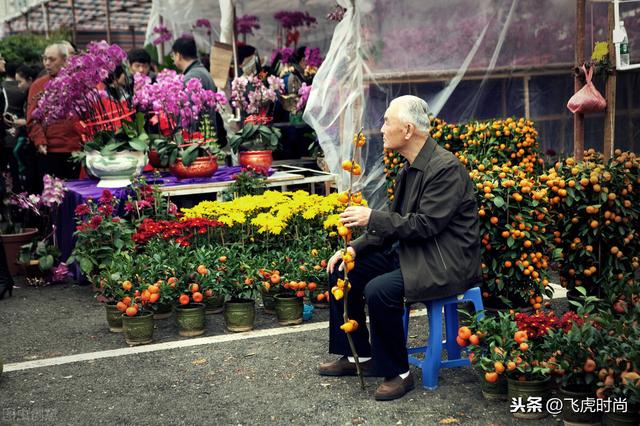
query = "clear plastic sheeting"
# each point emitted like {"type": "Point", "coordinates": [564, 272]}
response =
{"type": "Point", "coordinates": [336, 104]}
{"type": "Point", "coordinates": [179, 16]}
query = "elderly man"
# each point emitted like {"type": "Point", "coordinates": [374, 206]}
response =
{"type": "Point", "coordinates": [425, 246]}
{"type": "Point", "coordinates": [56, 141]}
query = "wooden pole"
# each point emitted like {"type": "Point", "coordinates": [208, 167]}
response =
{"type": "Point", "coordinates": [133, 36]}
{"type": "Point", "coordinates": [161, 46]}
{"type": "Point", "coordinates": [527, 97]}
{"type": "Point", "coordinates": [578, 119]}
{"type": "Point", "coordinates": [610, 90]}
{"type": "Point", "coordinates": [74, 31]}
{"type": "Point", "coordinates": [108, 19]}
{"type": "Point", "coordinates": [45, 15]}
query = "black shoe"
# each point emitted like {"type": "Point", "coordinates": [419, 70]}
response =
{"type": "Point", "coordinates": [6, 286]}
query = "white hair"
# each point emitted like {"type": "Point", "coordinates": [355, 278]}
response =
{"type": "Point", "coordinates": [414, 110]}
{"type": "Point", "coordinates": [64, 49]}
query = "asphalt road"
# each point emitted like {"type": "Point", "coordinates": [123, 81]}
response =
{"type": "Point", "coordinates": [259, 380]}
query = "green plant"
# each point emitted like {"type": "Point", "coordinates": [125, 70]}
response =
{"type": "Point", "coordinates": [596, 206]}
{"type": "Point", "coordinates": [100, 236]}
{"type": "Point", "coordinates": [233, 271]}
{"type": "Point", "coordinates": [575, 345]}
{"type": "Point", "coordinates": [255, 137]}
{"type": "Point", "coordinates": [131, 136]}
{"type": "Point", "coordinates": [250, 181]}
{"type": "Point", "coordinates": [187, 147]}
{"type": "Point", "coordinates": [27, 48]}
{"type": "Point", "coordinates": [44, 253]}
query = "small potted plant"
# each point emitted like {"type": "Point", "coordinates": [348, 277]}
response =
{"type": "Point", "coordinates": [486, 339]}
{"type": "Point", "coordinates": [185, 113]}
{"type": "Point", "coordinates": [239, 286]}
{"type": "Point", "coordinates": [256, 96]}
{"type": "Point", "coordinates": [619, 356]}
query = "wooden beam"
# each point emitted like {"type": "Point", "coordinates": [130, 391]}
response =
{"type": "Point", "coordinates": [578, 119]}
{"type": "Point", "coordinates": [610, 91]}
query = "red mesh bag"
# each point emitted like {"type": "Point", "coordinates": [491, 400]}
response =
{"type": "Point", "coordinates": [587, 99]}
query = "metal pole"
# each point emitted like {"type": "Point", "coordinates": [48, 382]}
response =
{"type": "Point", "coordinates": [610, 90]}
{"type": "Point", "coordinates": [108, 17]}
{"type": "Point", "coordinates": [74, 32]}
{"type": "Point", "coordinates": [578, 119]}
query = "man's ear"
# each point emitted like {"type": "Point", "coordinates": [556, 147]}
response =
{"type": "Point", "coordinates": [410, 130]}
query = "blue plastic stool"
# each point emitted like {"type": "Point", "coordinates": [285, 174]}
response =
{"type": "Point", "coordinates": [432, 361]}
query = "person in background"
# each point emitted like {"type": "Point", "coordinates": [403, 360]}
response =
{"type": "Point", "coordinates": [140, 62]}
{"type": "Point", "coordinates": [56, 141]}
{"type": "Point", "coordinates": [24, 153]}
{"type": "Point", "coordinates": [14, 119]}
{"type": "Point", "coordinates": [6, 282]}
{"type": "Point", "coordinates": [185, 57]}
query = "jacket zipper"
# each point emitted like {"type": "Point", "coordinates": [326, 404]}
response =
{"type": "Point", "coordinates": [440, 252]}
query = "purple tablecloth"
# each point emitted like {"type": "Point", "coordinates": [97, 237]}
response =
{"type": "Point", "coordinates": [79, 191]}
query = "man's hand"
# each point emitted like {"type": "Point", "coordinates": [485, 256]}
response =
{"type": "Point", "coordinates": [355, 216]}
{"type": "Point", "coordinates": [42, 149]}
{"type": "Point", "coordinates": [337, 257]}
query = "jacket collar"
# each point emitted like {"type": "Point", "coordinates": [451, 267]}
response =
{"type": "Point", "coordinates": [193, 65]}
{"type": "Point", "coordinates": [424, 156]}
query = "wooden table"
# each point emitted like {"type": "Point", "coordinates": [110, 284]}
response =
{"type": "Point", "coordinates": [283, 177]}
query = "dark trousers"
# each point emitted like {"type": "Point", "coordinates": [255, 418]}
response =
{"type": "Point", "coordinates": [58, 164]}
{"type": "Point", "coordinates": [377, 281]}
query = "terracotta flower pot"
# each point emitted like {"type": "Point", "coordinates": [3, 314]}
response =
{"type": "Point", "coordinates": [12, 244]}
{"type": "Point", "coordinates": [200, 168]}
{"type": "Point", "coordinates": [256, 158]}
{"type": "Point", "coordinates": [154, 159]}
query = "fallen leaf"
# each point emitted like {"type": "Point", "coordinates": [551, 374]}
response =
{"type": "Point", "coordinates": [67, 377]}
{"type": "Point", "coordinates": [251, 354]}
{"type": "Point", "coordinates": [199, 361]}
{"type": "Point", "coordinates": [448, 421]}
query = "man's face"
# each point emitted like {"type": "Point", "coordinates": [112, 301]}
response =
{"type": "Point", "coordinates": [2, 64]}
{"type": "Point", "coordinates": [177, 60]}
{"type": "Point", "coordinates": [140, 67]}
{"type": "Point", "coordinates": [393, 130]}
{"type": "Point", "coordinates": [52, 60]}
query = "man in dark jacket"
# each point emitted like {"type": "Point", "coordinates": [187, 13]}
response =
{"type": "Point", "coordinates": [425, 246]}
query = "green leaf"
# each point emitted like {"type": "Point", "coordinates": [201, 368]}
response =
{"type": "Point", "coordinates": [46, 262]}
{"type": "Point", "coordinates": [138, 144]}
{"type": "Point", "coordinates": [498, 201]}
{"type": "Point", "coordinates": [510, 242]}
{"type": "Point", "coordinates": [86, 266]}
